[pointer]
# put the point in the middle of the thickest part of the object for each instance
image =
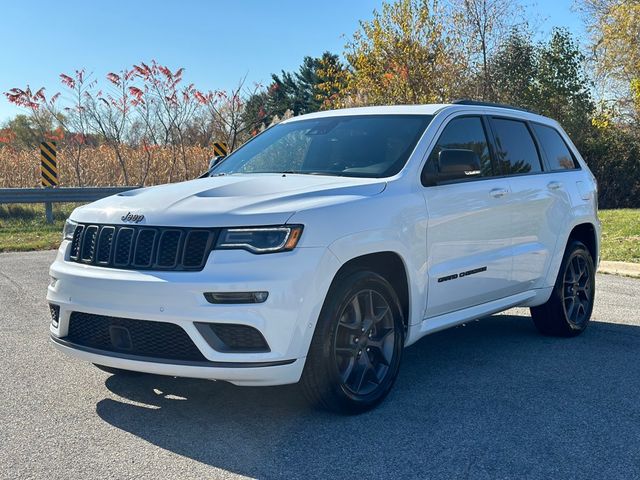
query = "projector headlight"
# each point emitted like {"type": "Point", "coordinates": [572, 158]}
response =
{"type": "Point", "coordinates": [261, 239]}
{"type": "Point", "coordinates": [69, 229]}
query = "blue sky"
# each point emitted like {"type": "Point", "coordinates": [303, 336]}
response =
{"type": "Point", "coordinates": [217, 41]}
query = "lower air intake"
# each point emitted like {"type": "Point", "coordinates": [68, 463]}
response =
{"type": "Point", "coordinates": [158, 340]}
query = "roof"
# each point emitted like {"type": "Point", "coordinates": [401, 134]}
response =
{"type": "Point", "coordinates": [426, 109]}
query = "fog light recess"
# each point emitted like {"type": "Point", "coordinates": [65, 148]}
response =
{"type": "Point", "coordinates": [55, 314]}
{"type": "Point", "coordinates": [236, 297]}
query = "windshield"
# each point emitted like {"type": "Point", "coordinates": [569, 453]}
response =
{"type": "Point", "coordinates": [355, 146]}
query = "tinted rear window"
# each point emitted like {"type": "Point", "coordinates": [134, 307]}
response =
{"type": "Point", "coordinates": [516, 150]}
{"type": "Point", "coordinates": [558, 154]}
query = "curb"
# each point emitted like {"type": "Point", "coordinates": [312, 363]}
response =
{"type": "Point", "coordinates": [625, 269]}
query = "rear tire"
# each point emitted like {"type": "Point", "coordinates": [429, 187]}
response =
{"type": "Point", "coordinates": [568, 310]}
{"type": "Point", "coordinates": [357, 345]}
{"type": "Point", "coordinates": [118, 371]}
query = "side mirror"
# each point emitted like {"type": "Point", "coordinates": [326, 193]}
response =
{"type": "Point", "coordinates": [454, 164]}
{"type": "Point", "coordinates": [215, 160]}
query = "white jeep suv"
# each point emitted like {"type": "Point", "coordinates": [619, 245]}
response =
{"type": "Point", "coordinates": [322, 247]}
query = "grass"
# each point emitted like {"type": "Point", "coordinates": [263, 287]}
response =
{"type": "Point", "coordinates": [621, 235]}
{"type": "Point", "coordinates": [22, 228]}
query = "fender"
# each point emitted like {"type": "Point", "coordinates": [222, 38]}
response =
{"type": "Point", "coordinates": [580, 215]}
{"type": "Point", "coordinates": [414, 260]}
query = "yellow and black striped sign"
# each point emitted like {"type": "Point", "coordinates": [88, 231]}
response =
{"type": "Point", "coordinates": [48, 164]}
{"type": "Point", "coordinates": [220, 149]}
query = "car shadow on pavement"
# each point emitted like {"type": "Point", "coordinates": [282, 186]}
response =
{"type": "Point", "coordinates": [491, 399]}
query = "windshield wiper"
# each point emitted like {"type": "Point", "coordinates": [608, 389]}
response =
{"type": "Point", "coordinates": [310, 172]}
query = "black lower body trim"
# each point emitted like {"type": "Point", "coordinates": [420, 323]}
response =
{"type": "Point", "coordinates": [106, 353]}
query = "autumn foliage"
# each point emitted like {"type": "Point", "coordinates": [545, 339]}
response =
{"type": "Point", "coordinates": [139, 126]}
{"type": "Point", "coordinates": [147, 124]}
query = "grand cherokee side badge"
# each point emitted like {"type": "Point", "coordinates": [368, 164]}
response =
{"type": "Point", "coordinates": [132, 217]}
{"type": "Point", "coordinates": [462, 274]}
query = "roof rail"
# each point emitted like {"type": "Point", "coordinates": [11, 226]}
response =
{"type": "Point", "coordinates": [467, 101]}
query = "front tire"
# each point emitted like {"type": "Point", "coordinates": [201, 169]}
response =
{"type": "Point", "coordinates": [357, 345]}
{"type": "Point", "coordinates": [568, 310]}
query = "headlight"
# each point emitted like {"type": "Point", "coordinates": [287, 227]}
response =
{"type": "Point", "coordinates": [261, 239]}
{"type": "Point", "coordinates": [69, 229]}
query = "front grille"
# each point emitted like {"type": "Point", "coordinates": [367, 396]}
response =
{"type": "Point", "coordinates": [141, 247]}
{"type": "Point", "coordinates": [159, 340]}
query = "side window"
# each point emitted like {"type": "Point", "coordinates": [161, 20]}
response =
{"type": "Point", "coordinates": [515, 150]}
{"type": "Point", "coordinates": [558, 154]}
{"type": "Point", "coordinates": [463, 133]}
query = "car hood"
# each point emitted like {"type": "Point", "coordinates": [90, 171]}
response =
{"type": "Point", "coordinates": [234, 200]}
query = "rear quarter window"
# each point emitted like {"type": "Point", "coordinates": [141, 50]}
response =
{"type": "Point", "coordinates": [559, 157]}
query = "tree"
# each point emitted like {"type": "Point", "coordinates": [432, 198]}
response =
{"type": "Point", "coordinates": [73, 118]}
{"type": "Point", "coordinates": [254, 113]}
{"type": "Point", "coordinates": [485, 24]}
{"type": "Point", "coordinates": [549, 78]}
{"type": "Point", "coordinates": [167, 108]}
{"type": "Point", "coordinates": [306, 91]}
{"type": "Point", "coordinates": [27, 134]}
{"type": "Point", "coordinates": [514, 66]}
{"type": "Point", "coordinates": [406, 54]}
{"type": "Point", "coordinates": [564, 89]}
{"type": "Point", "coordinates": [615, 29]}
{"type": "Point", "coordinates": [333, 81]}
{"type": "Point", "coordinates": [318, 84]}
{"type": "Point", "coordinates": [319, 79]}
{"type": "Point", "coordinates": [226, 112]}
{"type": "Point", "coordinates": [110, 114]}
{"type": "Point", "coordinates": [40, 118]}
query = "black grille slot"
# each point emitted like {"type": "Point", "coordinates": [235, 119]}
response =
{"type": "Point", "coordinates": [105, 241]}
{"type": "Point", "coordinates": [124, 241]}
{"type": "Point", "coordinates": [159, 340]}
{"type": "Point", "coordinates": [196, 244]}
{"type": "Point", "coordinates": [76, 242]}
{"type": "Point", "coordinates": [242, 338]}
{"type": "Point", "coordinates": [142, 247]}
{"type": "Point", "coordinates": [168, 248]}
{"type": "Point", "coordinates": [89, 239]}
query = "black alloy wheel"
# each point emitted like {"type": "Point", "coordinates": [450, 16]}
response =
{"type": "Point", "coordinates": [357, 345]}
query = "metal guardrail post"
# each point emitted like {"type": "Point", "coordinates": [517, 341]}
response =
{"type": "Point", "coordinates": [48, 212]}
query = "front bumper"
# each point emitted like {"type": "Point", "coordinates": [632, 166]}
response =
{"type": "Point", "coordinates": [297, 283]}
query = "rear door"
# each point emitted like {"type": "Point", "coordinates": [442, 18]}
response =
{"type": "Point", "coordinates": [541, 203]}
{"type": "Point", "coordinates": [469, 226]}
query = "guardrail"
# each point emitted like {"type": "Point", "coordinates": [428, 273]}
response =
{"type": "Point", "coordinates": [49, 196]}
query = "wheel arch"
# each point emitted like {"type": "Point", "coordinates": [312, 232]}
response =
{"type": "Point", "coordinates": [387, 264]}
{"type": "Point", "coordinates": [586, 233]}
{"type": "Point", "coordinates": [583, 230]}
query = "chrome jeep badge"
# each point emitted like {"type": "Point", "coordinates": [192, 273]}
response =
{"type": "Point", "coordinates": [132, 217]}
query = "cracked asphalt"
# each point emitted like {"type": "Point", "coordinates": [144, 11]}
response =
{"type": "Point", "coordinates": [488, 400]}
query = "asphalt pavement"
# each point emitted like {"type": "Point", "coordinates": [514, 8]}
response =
{"type": "Point", "coordinates": [491, 399]}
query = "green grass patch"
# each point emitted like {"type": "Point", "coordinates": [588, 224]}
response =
{"type": "Point", "coordinates": [23, 227]}
{"type": "Point", "coordinates": [621, 235]}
